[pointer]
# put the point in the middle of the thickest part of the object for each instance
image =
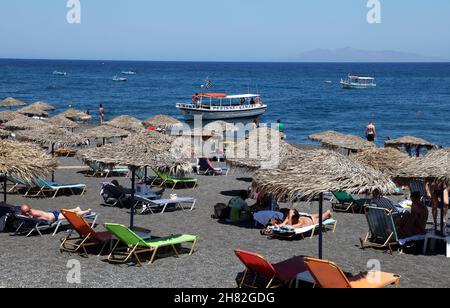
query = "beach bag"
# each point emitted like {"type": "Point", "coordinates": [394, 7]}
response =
{"type": "Point", "coordinates": [221, 211]}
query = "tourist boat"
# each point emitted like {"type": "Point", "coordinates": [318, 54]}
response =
{"type": "Point", "coordinates": [128, 73]}
{"type": "Point", "coordinates": [59, 73]}
{"type": "Point", "coordinates": [117, 78]}
{"type": "Point", "coordinates": [216, 106]}
{"type": "Point", "coordinates": [357, 82]}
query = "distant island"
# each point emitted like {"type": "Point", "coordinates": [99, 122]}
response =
{"type": "Point", "coordinates": [349, 54]}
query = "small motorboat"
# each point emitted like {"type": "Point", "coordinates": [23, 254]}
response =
{"type": "Point", "coordinates": [117, 78]}
{"type": "Point", "coordinates": [58, 73]}
{"type": "Point", "coordinates": [357, 82]}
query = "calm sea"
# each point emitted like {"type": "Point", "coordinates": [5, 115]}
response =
{"type": "Point", "coordinates": [411, 99]}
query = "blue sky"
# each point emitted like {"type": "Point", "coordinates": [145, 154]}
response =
{"type": "Point", "coordinates": [228, 30]}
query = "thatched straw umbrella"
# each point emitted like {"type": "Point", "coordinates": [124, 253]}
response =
{"type": "Point", "coordinates": [162, 121]}
{"type": "Point", "coordinates": [6, 116]}
{"type": "Point", "coordinates": [23, 161]}
{"type": "Point", "coordinates": [319, 171]}
{"type": "Point", "coordinates": [4, 134]}
{"type": "Point", "coordinates": [336, 140]}
{"type": "Point", "coordinates": [51, 136]}
{"type": "Point", "coordinates": [146, 149]}
{"type": "Point", "coordinates": [11, 102]}
{"type": "Point", "coordinates": [63, 122]}
{"type": "Point", "coordinates": [126, 122]}
{"type": "Point", "coordinates": [263, 149]}
{"type": "Point", "coordinates": [43, 106]}
{"type": "Point", "coordinates": [105, 132]}
{"type": "Point", "coordinates": [24, 123]}
{"type": "Point", "coordinates": [387, 160]}
{"type": "Point", "coordinates": [33, 110]}
{"type": "Point", "coordinates": [409, 142]}
{"type": "Point", "coordinates": [75, 115]}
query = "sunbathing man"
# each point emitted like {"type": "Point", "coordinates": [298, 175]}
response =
{"type": "Point", "coordinates": [295, 220]}
{"type": "Point", "coordinates": [49, 217]}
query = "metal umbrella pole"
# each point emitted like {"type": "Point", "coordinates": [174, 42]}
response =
{"type": "Point", "coordinates": [321, 226]}
{"type": "Point", "coordinates": [133, 181]}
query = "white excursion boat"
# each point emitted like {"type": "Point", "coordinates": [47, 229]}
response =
{"type": "Point", "coordinates": [216, 106]}
{"type": "Point", "coordinates": [357, 82]}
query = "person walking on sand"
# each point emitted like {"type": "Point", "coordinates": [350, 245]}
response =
{"type": "Point", "coordinates": [371, 132]}
{"type": "Point", "coordinates": [101, 111]}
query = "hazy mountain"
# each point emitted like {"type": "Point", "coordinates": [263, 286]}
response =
{"type": "Point", "coordinates": [349, 54]}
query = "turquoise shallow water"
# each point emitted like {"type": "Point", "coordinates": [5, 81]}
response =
{"type": "Point", "coordinates": [411, 99]}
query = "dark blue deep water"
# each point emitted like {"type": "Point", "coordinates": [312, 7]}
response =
{"type": "Point", "coordinates": [411, 99]}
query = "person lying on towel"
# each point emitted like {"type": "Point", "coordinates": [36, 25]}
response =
{"type": "Point", "coordinates": [49, 217]}
{"type": "Point", "coordinates": [297, 221]}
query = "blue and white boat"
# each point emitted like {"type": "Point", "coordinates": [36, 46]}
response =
{"type": "Point", "coordinates": [217, 106]}
{"type": "Point", "coordinates": [358, 82]}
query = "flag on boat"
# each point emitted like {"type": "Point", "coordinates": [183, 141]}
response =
{"type": "Point", "coordinates": [208, 83]}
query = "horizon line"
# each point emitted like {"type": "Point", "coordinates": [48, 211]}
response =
{"type": "Point", "coordinates": [230, 61]}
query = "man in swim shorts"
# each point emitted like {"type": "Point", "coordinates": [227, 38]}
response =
{"type": "Point", "coordinates": [49, 217]}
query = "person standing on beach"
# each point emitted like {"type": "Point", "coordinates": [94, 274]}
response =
{"type": "Point", "coordinates": [101, 111]}
{"type": "Point", "coordinates": [439, 194]}
{"type": "Point", "coordinates": [371, 132]}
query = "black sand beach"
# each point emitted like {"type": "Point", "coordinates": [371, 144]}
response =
{"type": "Point", "coordinates": [37, 262]}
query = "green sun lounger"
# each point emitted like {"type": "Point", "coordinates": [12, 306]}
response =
{"type": "Point", "coordinates": [167, 179]}
{"type": "Point", "coordinates": [135, 245]}
{"type": "Point", "coordinates": [346, 202]}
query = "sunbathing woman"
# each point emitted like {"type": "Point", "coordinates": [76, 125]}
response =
{"type": "Point", "coordinates": [49, 217]}
{"type": "Point", "coordinates": [295, 220]}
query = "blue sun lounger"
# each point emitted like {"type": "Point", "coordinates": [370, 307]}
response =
{"type": "Point", "coordinates": [46, 186]}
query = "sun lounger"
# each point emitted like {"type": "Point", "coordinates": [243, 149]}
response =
{"type": "Point", "coordinates": [99, 170]}
{"type": "Point", "coordinates": [87, 236]}
{"type": "Point", "coordinates": [167, 179]}
{"type": "Point", "coordinates": [151, 205]}
{"type": "Point", "coordinates": [54, 187]}
{"type": "Point", "coordinates": [329, 276]}
{"type": "Point", "coordinates": [346, 202]}
{"type": "Point", "coordinates": [387, 204]}
{"type": "Point", "coordinates": [279, 274]}
{"type": "Point", "coordinates": [135, 244]}
{"type": "Point", "coordinates": [382, 231]}
{"type": "Point", "coordinates": [113, 196]}
{"type": "Point", "coordinates": [28, 226]}
{"type": "Point", "coordinates": [206, 167]}
{"type": "Point", "coordinates": [17, 183]}
{"type": "Point", "coordinates": [419, 186]}
{"type": "Point", "coordinates": [290, 232]}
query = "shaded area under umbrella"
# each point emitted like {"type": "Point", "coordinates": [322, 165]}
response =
{"type": "Point", "coordinates": [316, 172]}
{"type": "Point", "coordinates": [408, 143]}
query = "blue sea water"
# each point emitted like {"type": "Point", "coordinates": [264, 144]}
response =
{"type": "Point", "coordinates": [411, 99]}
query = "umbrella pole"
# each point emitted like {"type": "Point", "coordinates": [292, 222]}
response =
{"type": "Point", "coordinates": [145, 175]}
{"type": "Point", "coordinates": [53, 153]}
{"type": "Point", "coordinates": [4, 189]}
{"type": "Point", "coordinates": [104, 141]}
{"type": "Point", "coordinates": [133, 180]}
{"type": "Point", "coordinates": [320, 226]}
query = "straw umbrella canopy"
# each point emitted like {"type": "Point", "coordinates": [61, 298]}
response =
{"type": "Point", "coordinates": [62, 122]}
{"type": "Point", "coordinates": [220, 126]}
{"type": "Point", "coordinates": [319, 171]}
{"type": "Point", "coordinates": [126, 122]}
{"type": "Point", "coordinates": [24, 123]}
{"type": "Point", "coordinates": [4, 134]}
{"type": "Point", "coordinates": [11, 102]}
{"type": "Point", "coordinates": [50, 136]}
{"type": "Point", "coordinates": [9, 115]}
{"type": "Point", "coordinates": [409, 142]}
{"type": "Point", "coordinates": [163, 121]}
{"type": "Point", "coordinates": [33, 110]}
{"type": "Point", "coordinates": [335, 140]}
{"type": "Point", "coordinates": [387, 160]}
{"type": "Point", "coordinates": [146, 149]}
{"type": "Point", "coordinates": [264, 149]}
{"type": "Point", "coordinates": [44, 106]}
{"type": "Point", "coordinates": [105, 132]}
{"type": "Point", "coordinates": [75, 115]}
{"type": "Point", "coordinates": [24, 161]}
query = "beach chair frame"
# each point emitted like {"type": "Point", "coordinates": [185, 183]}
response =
{"type": "Point", "coordinates": [345, 205]}
{"type": "Point", "coordinates": [326, 227]}
{"type": "Point", "coordinates": [46, 187]}
{"type": "Point", "coordinates": [164, 179]}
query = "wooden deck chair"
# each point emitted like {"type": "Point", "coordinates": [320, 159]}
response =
{"type": "Point", "coordinates": [328, 275]}
{"type": "Point", "coordinates": [346, 202]}
{"type": "Point", "coordinates": [283, 273]}
{"type": "Point", "coordinates": [87, 236]}
{"type": "Point", "coordinates": [135, 244]}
